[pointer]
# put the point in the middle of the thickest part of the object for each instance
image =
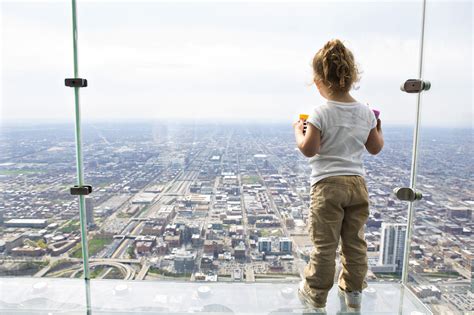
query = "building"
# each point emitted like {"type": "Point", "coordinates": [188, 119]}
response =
{"type": "Point", "coordinates": [237, 239]}
{"type": "Point", "coordinates": [286, 245]}
{"type": "Point", "coordinates": [144, 198]}
{"type": "Point", "coordinates": [31, 223]}
{"type": "Point", "coordinates": [89, 211]}
{"type": "Point", "coordinates": [392, 245]}
{"type": "Point", "coordinates": [173, 240]}
{"type": "Point", "coordinates": [213, 247]}
{"type": "Point", "coordinates": [151, 227]}
{"type": "Point", "coordinates": [464, 265]}
{"type": "Point", "coordinates": [426, 291]}
{"type": "Point", "coordinates": [61, 247]}
{"type": "Point", "coordinates": [184, 262]}
{"type": "Point", "coordinates": [264, 245]}
{"type": "Point", "coordinates": [459, 212]}
{"type": "Point", "coordinates": [289, 222]}
{"type": "Point", "coordinates": [237, 274]}
{"type": "Point", "coordinates": [145, 244]}
{"type": "Point", "coordinates": [239, 251]}
{"type": "Point", "coordinates": [161, 247]}
{"type": "Point", "coordinates": [28, 250]}
{"type": "Point", "coordinates": [143, 247]}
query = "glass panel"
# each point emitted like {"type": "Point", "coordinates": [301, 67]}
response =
{"type": "Point", "coordinates": [441, 262]}
{"type": "Point", "coordinates": [30, 295]}
{"type": "Point", "coordinates": [187, 135]}
{"type": "Point", "coordinates": [38, 296]}
{"type": "Point", "coordinates": [39, 225]}
{"type": "Point", "coordinates": [187, 139]}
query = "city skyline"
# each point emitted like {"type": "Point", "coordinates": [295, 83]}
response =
{"type": "Point", "coordinates": [206, 203]}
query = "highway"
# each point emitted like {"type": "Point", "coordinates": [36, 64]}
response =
{"type": "Point", "coordinates": [178, 186]}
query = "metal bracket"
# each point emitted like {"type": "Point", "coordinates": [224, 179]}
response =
{"type": "Point", "coordinates": [407, 194]}
{"type": "Point", "coordinates": [415, 86]}
{"type": "Point", "coordinates": [82, 190]}
{"type": "Point", "coordinates": [75, 82]}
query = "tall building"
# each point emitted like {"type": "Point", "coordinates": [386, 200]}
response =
{"type": "Point", "coordinates": [264, 244]}
{"type": "Point", "coordinates": [184, 261]}
{"type": "Point", "coordinates": [392, 245]}
{"type": "Point", "coordinates": [89, 211]}
{"type": "Point", "coordinates": [285, 245]}
{"type": "Point", "coordinates": [459, 212]}
{"type": "Point", "coordinates": [239, 251]}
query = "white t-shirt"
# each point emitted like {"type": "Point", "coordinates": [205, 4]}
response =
{"type": "Point", "coordinates": [344, 128]}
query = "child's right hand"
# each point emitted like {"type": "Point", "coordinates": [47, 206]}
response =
{"type": "Point", "coordinates": [298, 125]}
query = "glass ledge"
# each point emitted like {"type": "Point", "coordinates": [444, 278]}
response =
{"type": "Point", "coordinates": [67, 296]}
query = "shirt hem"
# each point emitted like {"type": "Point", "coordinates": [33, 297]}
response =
{"type": "Point", "coordinates": [319, 178]}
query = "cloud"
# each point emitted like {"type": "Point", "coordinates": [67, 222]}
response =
{"type": "Point", "coordinates": [224, 61]}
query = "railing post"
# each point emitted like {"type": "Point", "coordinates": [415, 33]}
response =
{"type": "Point", "coordinates": [406, 253]}
{"type": "Point", "coordinates": [79, 164]}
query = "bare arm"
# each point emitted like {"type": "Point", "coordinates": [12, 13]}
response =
{"type": "Point", "coordinates": [375, 142]}
{"type": "Point", "coordinates": [310, 142]}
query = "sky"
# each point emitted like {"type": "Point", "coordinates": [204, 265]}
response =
{"type": "Point", "coordinates": [222, 61]}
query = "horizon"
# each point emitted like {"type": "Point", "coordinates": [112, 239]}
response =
{"type": "Point", "coordinates": [188, 121]}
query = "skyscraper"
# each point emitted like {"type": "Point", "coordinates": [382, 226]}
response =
{"type": "Point", "coordinates": [285, 245]}
{"type": "Point", "coordinates": [184, 261]}
{"type": "Point", "coordinates": [89, 211]}
{"type": "Point", "coordinates": [392, 245]}
{"type": "Point", "coordinates": [264, 244]}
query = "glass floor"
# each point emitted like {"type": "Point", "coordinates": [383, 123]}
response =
{"type": "Point", "coordinates": [67, 296]}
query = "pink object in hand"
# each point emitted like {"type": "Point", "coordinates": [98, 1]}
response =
{"type": "Point", "coordinates": [377, 113]}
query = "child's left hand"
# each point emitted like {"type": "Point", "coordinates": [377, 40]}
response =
{"type": "Point", "coordinates": [298, 125]}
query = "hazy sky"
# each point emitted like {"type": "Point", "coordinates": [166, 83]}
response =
{"type": "Point", "coordinates": [229, 61]}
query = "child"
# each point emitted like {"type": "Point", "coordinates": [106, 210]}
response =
{"type": "Point", "coordinates": [336, 136]}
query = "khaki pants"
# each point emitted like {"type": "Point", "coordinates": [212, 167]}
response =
{"type": "Point", "coordinates": [339, 210]}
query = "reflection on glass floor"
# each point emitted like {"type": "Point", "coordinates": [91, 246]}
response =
{"type": "Point", "coordinates": [67, 296]}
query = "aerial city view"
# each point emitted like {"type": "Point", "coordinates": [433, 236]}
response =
{"type": "Point", "coordinates": [224, 202]}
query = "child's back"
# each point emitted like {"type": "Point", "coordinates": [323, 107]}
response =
{"type": "Point", "coordinates": [344, 129]}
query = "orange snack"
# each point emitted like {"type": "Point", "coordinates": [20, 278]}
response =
{"type": "Point", "coordinates": [303, 117]}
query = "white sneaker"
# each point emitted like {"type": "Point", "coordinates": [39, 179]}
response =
{"type": "Point", "coordinates": [353, 299]}
{"type": "Point", "coordinates": [307, 300]}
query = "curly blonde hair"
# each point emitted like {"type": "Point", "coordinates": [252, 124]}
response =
{"type": "Point", "coordinates": [334, 64]}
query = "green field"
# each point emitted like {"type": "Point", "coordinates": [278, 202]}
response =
{"type": "Point", "coordinates": [71, 226]}
{"type": "Point", "coordinates": [96, 272]}
{"type": "Point", "coordinates": [388, 275]}
{"type": "Point", "coordinates": [95, 246]}
{"type": "Point", "coordinates": [122, 215]}
{"type": "Point", "coordinates": [270, 232]}
{"type": "Point", "coordinates": [131, 252]}
{"type": "Point", "coordinates": [140, 212]}
{"type": "Point", "coordinates": [17, 172]}
{"type": "Point", "coordinates": [114, 274]}
{"type": "Point", "coordinates": [452, 274]}
{"type": "Point", "coordinates": [159, 271]}
{"type": "Point", "coordinates": [251, 179]}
